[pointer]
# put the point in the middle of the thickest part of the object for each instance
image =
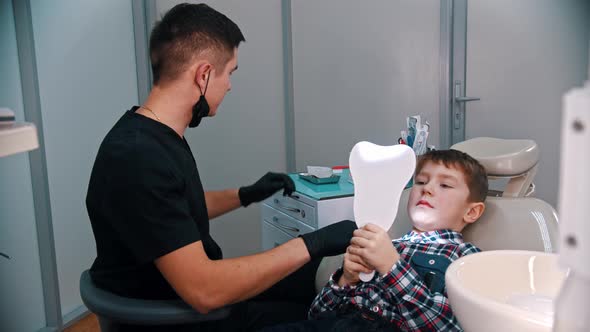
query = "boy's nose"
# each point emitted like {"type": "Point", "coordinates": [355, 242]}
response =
{"type": "Point", "coordinates": [427, 189]}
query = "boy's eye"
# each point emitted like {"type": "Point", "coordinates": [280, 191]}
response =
{"type": "Point", "coordinates": [420, 182]}
{"type": "Point", "coordinates": [444, 185]}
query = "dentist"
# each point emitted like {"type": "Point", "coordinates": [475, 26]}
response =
{"type": "Point", "coordinates": [149, 212]}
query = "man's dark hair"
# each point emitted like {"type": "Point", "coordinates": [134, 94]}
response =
{"type": "Point", "coordinates": [186, 31]}
{"type": "Point", "coordinates": [474, 173]}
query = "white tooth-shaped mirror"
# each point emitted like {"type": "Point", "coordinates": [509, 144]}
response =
{"type": "Point", "coordinates": [380, 174]}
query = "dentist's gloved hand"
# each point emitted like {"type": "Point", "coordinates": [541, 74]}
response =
{"type": "Point", "coordinates": [330, 240]}
{"type": "Point", "coordinates": [267, 185]}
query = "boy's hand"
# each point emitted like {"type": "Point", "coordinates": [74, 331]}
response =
{"type": "Point", "coordinates": [374, 247]}
{"type": "Point", "coordinates": [353, 265]}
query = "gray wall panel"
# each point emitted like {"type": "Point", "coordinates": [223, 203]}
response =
{"type": "Point", "coordinates": [247, 136]}
{"type": "Point", "coordinates": [87, 78]}
{"type": "Point", "coordinates": [359, 69]}
{"type": "Point", "coordinates": [21, 302]}
{"type": "Point", "coordinates": [522, 56]}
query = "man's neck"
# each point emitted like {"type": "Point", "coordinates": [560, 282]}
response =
{"type": "Point", "coordinates": [170, 106]}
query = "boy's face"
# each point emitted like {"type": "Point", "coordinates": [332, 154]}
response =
{"type": "Point", "coordinates": [439, 199]}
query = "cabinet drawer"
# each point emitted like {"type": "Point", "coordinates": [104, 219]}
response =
{"type": "Point", "coordinates": [285, 223]}
{"type": "Point", "coordinates": [272, 236]}
{"type": "Point", "coordinates": [293, 208]}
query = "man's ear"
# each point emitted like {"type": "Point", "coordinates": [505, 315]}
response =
{"type": "Point", "coordinates": [474, 212]}
{"type": "Point", "coordinates": [202, 73]}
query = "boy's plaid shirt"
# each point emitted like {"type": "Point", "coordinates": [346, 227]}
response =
{"type": "Point", "coordinates": [401, 297]}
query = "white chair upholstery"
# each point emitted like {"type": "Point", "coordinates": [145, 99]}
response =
{"type": "Point", "coordinates": [502, 157]}
{"type": "Point", "coordinates": [514, 159]}
{"type": "Point", "coordinates": [521, 223]}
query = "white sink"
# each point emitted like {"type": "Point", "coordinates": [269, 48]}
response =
{"type": "Point", "coordinates": [504, 290]}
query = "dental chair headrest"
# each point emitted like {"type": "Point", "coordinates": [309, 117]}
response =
{"type": "Point", "coordinates": [502, 157]}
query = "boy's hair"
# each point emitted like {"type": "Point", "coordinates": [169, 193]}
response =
{"type": "Point", "coordinates": [474, 173]}
{"type": "Point", "coordinates": [186, 31]}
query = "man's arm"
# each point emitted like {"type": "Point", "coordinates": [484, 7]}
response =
{"type": "Point", "coordinates": [224, 201]}
{"type": "Point", "coordinates": [210, 284]}
{"type": "Point", "coordinates": [221, 202]}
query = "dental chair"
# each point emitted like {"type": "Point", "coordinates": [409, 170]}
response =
{"type": "Point", "coordinates": [511, 221]}
{"type": "Point", "coordinates": [113, 310]}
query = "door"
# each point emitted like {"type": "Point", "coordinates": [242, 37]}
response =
{"type": "Point", "coordinates": [359, 69]}
{"type": "Point", "coordinates": [520, 58]}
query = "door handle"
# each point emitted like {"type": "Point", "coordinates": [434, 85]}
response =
{"type": "Point", "coordinates": [458, 98]}
{"type": "Point", "coordinates": [462, 99]}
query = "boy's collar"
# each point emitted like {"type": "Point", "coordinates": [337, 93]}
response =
{"type": "Point", "coordinates": [438, 236]}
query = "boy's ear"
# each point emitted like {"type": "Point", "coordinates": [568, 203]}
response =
{"type": "Point", "coordinates": [474, 212]}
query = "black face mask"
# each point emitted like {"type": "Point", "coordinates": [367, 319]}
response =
{"type": "Point", "coordinates": [201, 109]}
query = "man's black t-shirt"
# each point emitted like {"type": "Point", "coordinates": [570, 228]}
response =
{"type": "Point", "coordinates": [145, 199]}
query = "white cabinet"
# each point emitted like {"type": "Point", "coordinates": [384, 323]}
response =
{"type": "Point", "coordinates": [285, 218]}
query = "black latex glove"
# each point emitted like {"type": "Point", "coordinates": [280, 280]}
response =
{"type": "Point", "coordinates": [267, 185]}
{"type": "Point", "coordinates": [331, 240]}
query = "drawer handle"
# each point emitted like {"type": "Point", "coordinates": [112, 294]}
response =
{"type": "Point", "coordinates": [284, 207]}
{"type": "Point", "coordinates": [289, 228]}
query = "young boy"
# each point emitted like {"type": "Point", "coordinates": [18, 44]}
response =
{"type": "Point", "coordinates": [408, 291]}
